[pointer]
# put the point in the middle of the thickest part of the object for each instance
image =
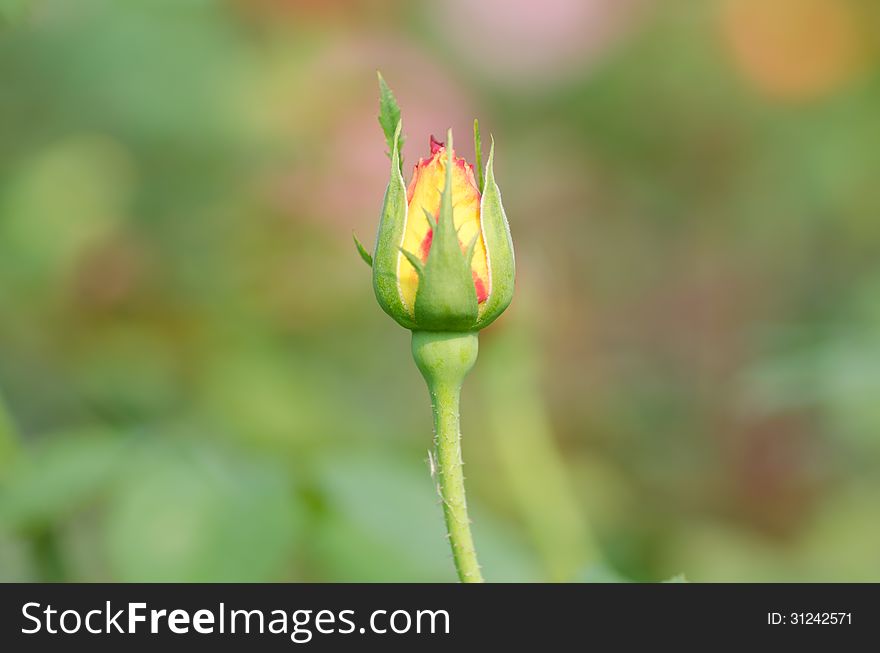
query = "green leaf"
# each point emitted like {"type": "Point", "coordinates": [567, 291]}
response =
{"type": "Point", "coordinates": [678, 578]}
{"type": "Point", "coordinates": [530, 464]}
{"type": "Point", "coordinates": [58, 476]}
{"type": "Point", "coordinates": [362, 250]}
{"type": "Point", "coordinates": [190, 513]}
{"type": "Point", "coordinates": [600, 572]}
{"type": "Point", "coordinates": [389, 117]}
{"type": "Point", "coordinates": [12, 12]}
{"type": "Point", "coordinates": [394, 532]}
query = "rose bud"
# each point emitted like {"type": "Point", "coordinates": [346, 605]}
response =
{"type": "Point", "coordinates": [443, 267]}
{"type": "Point", "coordinates": [444, 257]}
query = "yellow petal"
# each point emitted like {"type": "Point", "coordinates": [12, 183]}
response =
{"type": "Point", "coordinates": [424, 194]}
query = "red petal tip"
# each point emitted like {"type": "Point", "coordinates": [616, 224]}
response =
{"type": "Point", "coordinates": [435, 145]}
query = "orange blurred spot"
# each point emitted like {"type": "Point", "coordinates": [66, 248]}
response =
{"type": "Point", "coordinates": [794, 49]}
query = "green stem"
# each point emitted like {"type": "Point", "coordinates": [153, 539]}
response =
{"type": "Point", "coordinates": [444, 359]}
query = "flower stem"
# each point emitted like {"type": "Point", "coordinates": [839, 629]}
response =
{"type": "Point", "coordinates": [444, 359]}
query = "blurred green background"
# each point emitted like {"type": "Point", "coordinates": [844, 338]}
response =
{"type": "Point", "coordinates": [197, 382]}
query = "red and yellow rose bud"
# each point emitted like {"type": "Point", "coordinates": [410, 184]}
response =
{"type": "Point", "coordinates": [443, 267]}
{"type": "Point", "coordinates": [444, 258]}
{"type": "Point", "coordinates": [423, 195]}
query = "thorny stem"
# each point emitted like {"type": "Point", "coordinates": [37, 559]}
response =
{"type": "Point", "coordinates": [444, 359]}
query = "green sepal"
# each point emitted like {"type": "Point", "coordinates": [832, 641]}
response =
{"type": "Point", "coordinates": [414, 260]}
{"type": "Point", "coordinates": [446, 299]}
{"type": "Point", "coordinates": [389, 118]}
{"type": "Point", "coordinates": [478, 155]}
{"type": "Point", "coordinates": [368, 259]}
{"type": "Point", "coordinates": [471, 248]}
{"type": "Point", "coordinates": [430, 218]}
{"type": "Point", "coordinates": [388, 239]}
{"type": "Point", "coordinates": [499, 246]}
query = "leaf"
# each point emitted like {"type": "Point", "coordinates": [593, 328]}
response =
{"type": "Point", "coordinates": [384, 523]}
{"type": "Point", "coordinates": [12, 12]}
{"type": "Point", "coordinates": [58, 476]}
{"type": "Point", "coordinates": [678, 578]}
{"type": "Point", "coordinates": [600, 572]}
{"type": "Point", "coordinates": [362, 250]}
{"type": "Point", "coordinates": [389, 116]}
{"type": "Point", "coordinates": [189, 513]}
{"type": "Point", "coordinates": [532, 467]}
